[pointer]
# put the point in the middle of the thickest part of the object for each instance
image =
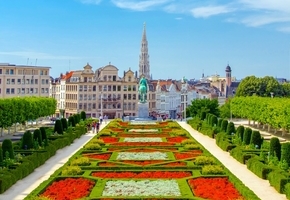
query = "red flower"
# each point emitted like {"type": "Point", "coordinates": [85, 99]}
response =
{"type": "Point", "coordinates": [145, 174]}
{"type": "Point", "coordinates": [179, 156]}
{"type": "Point", "coordinates": [178, 139]}
{"type": "Point", "coordinates": [105, 156]}
{"type": "Point", "coordinates": [69, 189]}
{"type": "Point", "coordinates": [144, 144]}
{"type": "Point", "coordinates": [109, 139]}
{"type": "Point", "coordinates": [214, 188]}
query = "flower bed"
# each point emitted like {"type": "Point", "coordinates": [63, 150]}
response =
{"type": "Point", "coordinates": [133, 188]}
{"type": "Point", "coordinates": [105, 156]}
{"type": "Point", "coordinates": [176, 139]}
{"type": "Point", "coordinates": [66, 189]}
{"type": "Point", "coordinates": [179, 156]}
{"type": "Point", "coordinates": [143, 139]}
{"type": "Point", "coordinates": [143, 130]}
{"type": "Point", "coordinates": [214, 188]}
{"type": "Point", "coordinates": [143, 135]}
{"type": "Point", "coordinates": [144, 174]}
{"type": "Point", "coordinates": [142, 156]}
{"type": "Point", "coordinates": [144, 144]}
{"type": "Point", "coordinates": [109, 139]}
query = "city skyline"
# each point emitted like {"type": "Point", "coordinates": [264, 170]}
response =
{"type": "Point", "coordinates": [185, 38]}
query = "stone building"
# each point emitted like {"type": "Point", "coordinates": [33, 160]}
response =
{"type": "Point", "coordinates": [23, 80]}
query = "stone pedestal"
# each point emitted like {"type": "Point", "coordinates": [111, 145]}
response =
{"type": "Point", "coordinates": [143, 110]}
{"type": "Point", "coordinates": [159, 119]}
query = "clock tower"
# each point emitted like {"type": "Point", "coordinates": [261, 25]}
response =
{"type": "Point", "coordinates": [144, 66]}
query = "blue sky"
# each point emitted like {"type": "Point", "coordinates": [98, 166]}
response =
{"type": "Point", "coordinates": [185, 37]}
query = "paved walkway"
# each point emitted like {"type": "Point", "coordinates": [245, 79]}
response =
{"type": "Point", "coordinates": [25, 186]}
{"type": "Point", "coordinates": [259, 186]}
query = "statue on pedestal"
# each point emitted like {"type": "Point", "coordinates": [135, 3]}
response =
{"type": "Point", "coordinates": [142, 90]}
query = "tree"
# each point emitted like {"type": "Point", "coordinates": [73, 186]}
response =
{"type": "Point", "coordinates": [37, 136]}
{"type": "Point", "coordinates": [240, 132]}
{"type": "Point", "coordinates": [58, 127]}
{"type": "Point", "coordinates": [275, 147]}
{"type": "Point", "coordinates": [285, 154]}
{"type": "Point", "coordinates": [7, 146]}
{"type": "Point", "coordinates": [263, 87]}
{"type": "Point", "coordinates": [200, 106]}
{"type": "Point", "coordinates": [27, 140]}
{"type": "Point", "coordinates": [224, 125]}
{"type": "Point", "coordinates": [286, 89]}
{"type": "Point", "coordinates": [71, 121]}
{"type": "Point", "coordinates": [247, 136]}
{"type": "Point", "coordinates": [83, 115]}
{"type": "Point", "coordinates": [256, 139]}
{"type": "Point", "coordinates": [225, 110]}
{"type": "Point", "coordinates": [64, 123]}
{"type": "Point", "coordinates": [230, 128]}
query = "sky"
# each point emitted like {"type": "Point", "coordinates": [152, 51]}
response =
{"type": "Point", "coordinates": [185, 37]}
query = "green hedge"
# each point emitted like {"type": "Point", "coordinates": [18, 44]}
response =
{"type": "Point", "coordinates": [257, 167]}
{"type": "Point", "coordinates": [278, 179]}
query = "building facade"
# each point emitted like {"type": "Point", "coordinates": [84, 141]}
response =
{"type": "Point", "coordinates": [22, 80]}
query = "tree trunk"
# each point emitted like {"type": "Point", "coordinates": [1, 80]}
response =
{"type": "Point", "coordinates": [269, 128]}
{"type": "Point", "coordinates": [249, 122]}
{"type": "Point", "coordinates": [275, 131]}
{"type": "Point", "coordinates": [283, 131]}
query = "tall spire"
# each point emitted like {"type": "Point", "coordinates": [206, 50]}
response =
{"type": "Point", "coordinates": [144, 67]}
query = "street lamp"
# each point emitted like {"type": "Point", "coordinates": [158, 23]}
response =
{"type": "Point", "coordinates": [101, 103]}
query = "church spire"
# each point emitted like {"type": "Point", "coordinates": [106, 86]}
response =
{"type": "Point", "coordinates": [144, 67]}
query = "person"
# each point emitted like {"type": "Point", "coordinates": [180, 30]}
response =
{"type": "Point", "coordinates": [105, 118]}
{"type": "Point", "coordinates": [97, 126]}
{"type": "Point", "coordinates": [94, 127]}
{"type": "Point", "coordinates": [101, 119]}
{"type": "Point", "coordinates": [88, 127]}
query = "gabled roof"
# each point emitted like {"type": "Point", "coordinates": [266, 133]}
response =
{"type": "Point", "coordinates": [67, 75]}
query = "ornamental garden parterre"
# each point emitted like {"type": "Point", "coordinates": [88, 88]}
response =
{"type": "Point", "coordinates": [154, 160]}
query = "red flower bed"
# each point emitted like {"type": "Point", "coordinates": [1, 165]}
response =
{"type": "Point", "coordinates": [178, 139]}
{"type": "Point", "coordinates": [69, 189]}
{"type": "Point", "coordinates": [143, 135]}
{"type": "Point", "coordinates": [142, 163]}
{"type": "Point", "coordinates": [144, 174]}
{"type": "Point", "coordinates": [105, 156]}
{"type": "Point", "coordinates": [175, 164]}
{"type": "Point", "coordinates": [109, 139]}
{"type": "Point", "coordinates": [144, 144]}
{"type": "Point", "coordinates": [141, 150]}
{"type": "Point", "coordinates": [179, 156]}
{"type": "Point", "coordinates": [214, 188]}
{"type": "Point", "coordinates": [107, 164]}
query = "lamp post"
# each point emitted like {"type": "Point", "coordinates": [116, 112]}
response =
{"type": "Point", "coordinates": [101, 103]}
{"type": "Point", "coordinates": [272, 94]}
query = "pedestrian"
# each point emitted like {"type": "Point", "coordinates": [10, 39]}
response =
{"type": "Point", "coordinates": [97, 127]}
{"type": "Point", "coordinates": [88, 127]}
{"type": "Point", "coordinates": [101, 119]}
{"type": "Point", "coordinates": [93, 127]}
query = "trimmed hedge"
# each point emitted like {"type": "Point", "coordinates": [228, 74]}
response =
{"type": "Point", "coordinates": [247, 136]}
{"type": "Point", "coordinates": [275, 147]}
{"type": "Point", "coordinates": [27, 140]}
{"type": "Point", "coordinates": [7, 146]}
{"type": "Point", "coordinates": [257, 167]}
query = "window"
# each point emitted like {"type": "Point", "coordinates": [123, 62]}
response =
{"type": "Point", "coordinates": [31, 81]}
{"type": "Point", "coordinates": [114, 88]}
{"type": "Point", "coordinates": [42, 81]}
{"type": "Point", "coordinates": [129, 78]}
{"type": "Point", "coordinates": [0, 71]}
{"type": "Point", "coordinates": [46, 82]}
{"type": "Point", "coordinates": [27, 90]}
{"type": "Point", "coordinates": [27, 81]}
{"type": "Point", "coordinates": [125, 88]}
{"type": "Point", "coordinates": [18, 90]}
{"type": "Point", "coordinates": [94, 105]}
{"type": "Point", "coordinates": [109, 88]}
{"type": "Point", "coordinates": [42, 90]}
{"type": "Point", "coordinates": [94, 88]}
{"type": "Point", "coordinates": [134, 87]}
{"type": "Point", "coordinates": [36, 81]}
{"type": "Point", "coordinates": [41, 72]}
{"type": "Point", "coordinates": [8, 91]}
{"type": "Point", "coordinates": [8, 81]}
{"type": "Point", "coordinates": [80, 97]}
{"type": "Point", "coordinates": [19, 81]}
{"type": "Point", "coordinates": [22, 90]}
{"type": "Point", "coordinates": [35, 90]}
{"type": "Point", "coordinates": [0, 80]}
{"type": "Point", "coordinates": [94, 96]}
{"type": "Point", "coordinates": [46, 90]}
{"type": "Point", "coordinates": [114, 78]}
{"type": "Point", "coordinates": [11, 71]}
{"type": "Point", "coordinates": [31, 91]}
{"type": "Point", "coordinates": [13, 81]}
{"type": "Point", "coordinates": [12, 90]}
{"type": "Point", "coordinates": [7, 71]}
{"type": "Point", "coordinates": [80, 88]}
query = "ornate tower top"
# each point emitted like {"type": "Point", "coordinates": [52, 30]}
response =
{"type": "Point", "coordinates": [144, 67]}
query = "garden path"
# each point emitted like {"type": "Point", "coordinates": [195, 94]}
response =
{"type": "Point", "coordinates": [259, 186]}
{"type": "Point", "coordinates": [25, 186]}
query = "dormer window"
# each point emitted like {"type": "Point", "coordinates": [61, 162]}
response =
{"type": "Point", "coordinates": [129, 78]}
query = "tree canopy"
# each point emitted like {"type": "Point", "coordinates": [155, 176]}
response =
{"type": "Point", "coordinates": [263, 87]}
{"type": "Point", "coordinates": [199, 106]}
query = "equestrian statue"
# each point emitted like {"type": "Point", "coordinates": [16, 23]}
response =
{"type": "Point", "coordinates": [142, 90]}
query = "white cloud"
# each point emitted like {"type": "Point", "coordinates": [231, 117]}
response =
{"type": "Point", "coordinates": [262, 19]}
{"type": "Point", "coordinates": [178, 18]}
{"type": "Point", "coordinates": [208, 11]}
{"type": "Point", "coordinates": [90, 1]}
{"type": "Point", "coordinates": [139, 5]}
{"type": "Point", "coordinates": [37, 55]}
{"type": "Point", "coordinates": [284, 29]}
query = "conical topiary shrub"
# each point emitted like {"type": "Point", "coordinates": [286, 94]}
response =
{"type": "Point", "coordinates": [27, 140]}
{"type": "Point", "coordinates": [285, 153]}
{"type": "Point", "coordinates": [83, 115]}
{"type": "Point", "coordinates": [37, 136]}
{"type": "Point", "coordinates": [7, 146]}
{"type": "Point", "coordinates": [219, 124]}
{"type": "Point", "coordinates": [43, 133]}
{"type": "Point", "coordinates": [64, 123]}
{"type": "Point", "coordinates": [240, 132]}
{"type": "Point", "coordinates": [1, 154]}
{"type": "Point", "coordinates": [231, 128]}
{"type": "Point", "coordinates": [247, 136]}
{"type": "Point", "coordinates": [71, 121]}
{"type": "Point", "coordinates": [275, 147]}
{"type": "Point", "coordinates": [224, 125]}
{"type": "Point", "coordinates": [58, 127]}
{"type": "Point", "coordinates": [256, 139]}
